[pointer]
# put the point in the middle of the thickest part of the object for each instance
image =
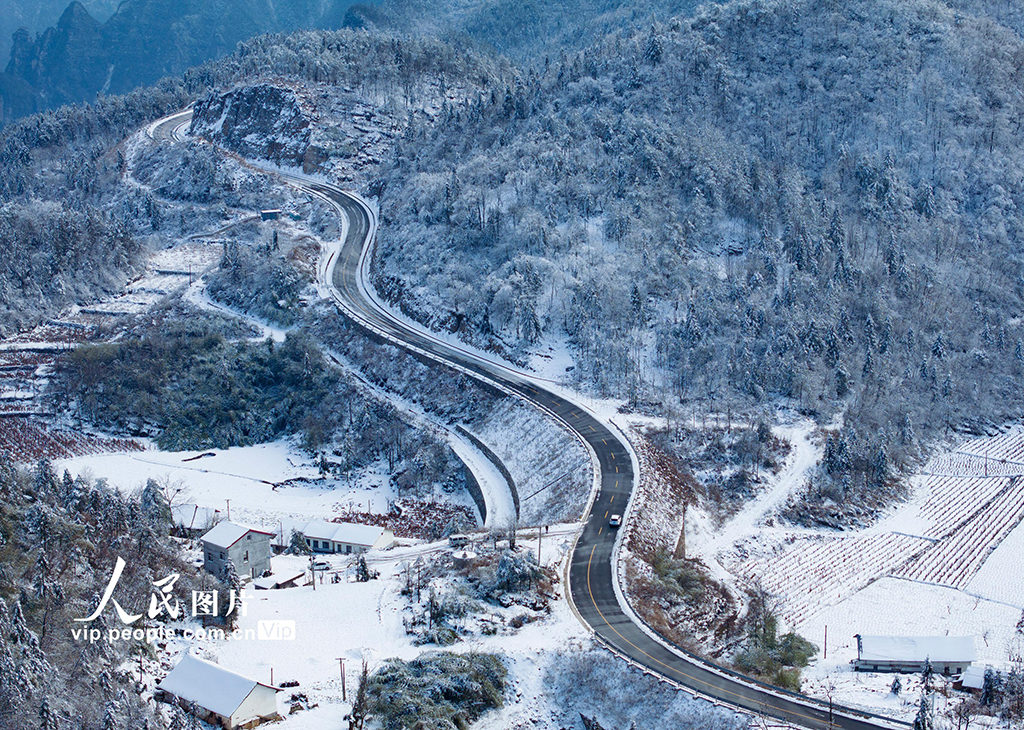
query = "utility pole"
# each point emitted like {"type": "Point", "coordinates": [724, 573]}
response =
{"type": "Point", "coordinates": [826, 642]}
{"type": "Point", "coordinates": [312, 571]}
{"type": "Point", "coordinates": [341, 661]}
{"type": "Point", "coordinates": [229, 509]}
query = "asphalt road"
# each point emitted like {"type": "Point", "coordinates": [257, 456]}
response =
{"type": "Point", "coordinates": [591, 577]}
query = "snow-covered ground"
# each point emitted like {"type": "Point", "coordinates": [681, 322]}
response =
{"type": "Point", "coordinates": [948, 562]}
{"type": "Point", "coordinates": [891, 606]}
{"type": "Point", "coordinates": [555, 672]}
{"type": "Point", "coordinates": [551, 470]}
{"type": "Point", "coordinates": [251, 477]}
{"type": "Point", "coordinates": [755, 517]}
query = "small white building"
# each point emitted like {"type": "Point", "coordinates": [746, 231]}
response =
{"type": "Point", "coordinates": [345, 537]}
{"type": "Point", "coordinates": [191, 518]}
{"type": "Point", "coordinates": [287, 579]}
{"type": "Point", "coordinates": [972, 680]}
{"type": "Point", "coordinates": [948, 654]}
{"type": "Point", "coordinates": [217, 695]}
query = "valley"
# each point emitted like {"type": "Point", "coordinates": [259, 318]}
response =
{"type": "Point", "coordinates": [655, 358]}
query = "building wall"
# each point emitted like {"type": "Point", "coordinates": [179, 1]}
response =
{"type": "Point", "coordinates": [261, 703]}
{"type": "Point", "coordinates": [386, 540]}
{"type": "Point", "coordinates": [251, 556]}
{"type": "Point", "coordinates": [329, 546]}
{"type": "Point", "coordinates": [945, 668]}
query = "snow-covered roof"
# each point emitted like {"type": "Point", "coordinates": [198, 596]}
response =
{"type": "Point", "coordinates": [209, 685]}
{"type": "Point", "coordinates": [272, 581]}
{"type": "Point", "coordinates": [192, 516]}
{"type": "Point", "coordinates": [916, 648]}
{"type": "Point", "coordinates": [226, 534]}
{"type": "Point", "coordinates": [346, 532]}
{"type": "Point", "coordinates": [973, 677]}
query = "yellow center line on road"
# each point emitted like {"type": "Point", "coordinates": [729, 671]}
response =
{"type": "Point", "coordinates": [606, 513]}
{"type": "Point", "coordinates": [669, 667]}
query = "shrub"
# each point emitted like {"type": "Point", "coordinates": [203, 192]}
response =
{"type": "Point", "coordinates": [436, 691]}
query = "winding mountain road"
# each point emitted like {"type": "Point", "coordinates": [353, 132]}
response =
{"type": "Point", "coordinates": [343, 273]}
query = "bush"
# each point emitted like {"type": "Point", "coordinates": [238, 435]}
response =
{"type": "Point", "coordinates": [770, 657]}
{"type": "Point", "coordinates": [436, 691]}
{"type": "Point", "coordinates": [680, 576]}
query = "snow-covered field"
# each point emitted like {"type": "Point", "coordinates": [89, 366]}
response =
{"type": "Point", "coordinates": [266, 484]}
{"type": "Point", "coordinates": [948, 562]}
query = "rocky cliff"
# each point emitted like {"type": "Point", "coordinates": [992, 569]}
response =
{"type": "Point", "coordinates": [260, 121]}
{"type": "Point", "coordinates": [142, 42]}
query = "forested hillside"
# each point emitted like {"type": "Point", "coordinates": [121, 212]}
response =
{"type": "Point", "coordinates": [525, 31]}
{"type": "Point", "coordinates": [82, 55]}
{"type": "Point", "coordinates": [68, 234]}
{"type": "Point", "coordinates": [60, 539]}
{"type": "Point", "coordinates": [816, 202]}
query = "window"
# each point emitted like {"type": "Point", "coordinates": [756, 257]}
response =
{"type": "Point", "coordinates": [209, 556]}
{"type": "Point", "coordinates": [222, 555]}
{"type": "Point", "coordinates": [246, 558]}
{"type": "Point", "coordinates": [316, 544]}
{"type": "Point", "coordinates": [348, 548]}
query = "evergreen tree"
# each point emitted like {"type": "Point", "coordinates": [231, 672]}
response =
{"type": "Point", "coordinates": [923, 719]}
{"type": "Point", "coordinates": [110, 717]}
{"type": "Point", "coordinates": [927, 675]}
{"type": "Point", "coordinates": [897, 686]}
{"type": "Point", "coordinates": [177, 721]}
{"type": "Point", "coordinates": [155, 506]}
{"type": "Point", "coordinates": [362, 571]}
{"type": "Point", "coordinates": [297, 544]}
{"type": "Point", "coordinates": [48, 719]}
{"type": "Point", "coordinates": [991, 688]}
{"type": "Point", "coordinates": [842, 383]}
